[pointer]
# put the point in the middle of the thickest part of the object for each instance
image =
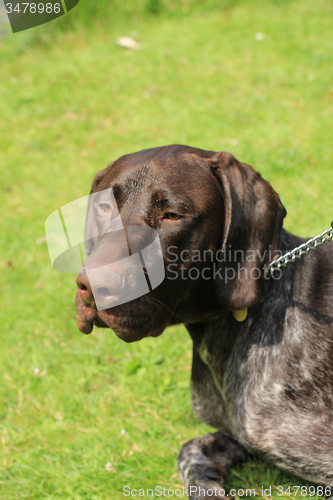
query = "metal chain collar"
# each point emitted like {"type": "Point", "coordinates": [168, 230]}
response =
{"type": "Point", "coordinates": [305, 248]}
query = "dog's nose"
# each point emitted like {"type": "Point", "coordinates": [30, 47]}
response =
{"type": "Point", "coordinates": [84, 287]}
{"type": "Point", "coordinates": [107, 285]}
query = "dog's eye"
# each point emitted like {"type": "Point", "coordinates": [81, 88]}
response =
{"type": "Point", "coordinates": [171, 216]}
{"type": "Point", "coordinates": [105, 207]}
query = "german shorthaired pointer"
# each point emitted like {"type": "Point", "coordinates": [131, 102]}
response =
{"type": "Point", "coordinates": [262, 370]}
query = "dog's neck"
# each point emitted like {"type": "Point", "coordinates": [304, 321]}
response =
{"type": "Point", "coordinates": [202, 305]}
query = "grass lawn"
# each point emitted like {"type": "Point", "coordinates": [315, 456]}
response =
{"type": "Point", "coordinates": [83, 416]}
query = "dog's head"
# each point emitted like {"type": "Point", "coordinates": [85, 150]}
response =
{"type": "Point", "coordinates": [218, 225]}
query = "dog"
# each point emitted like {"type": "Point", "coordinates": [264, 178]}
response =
{"type": "Point", "coordinates": [262, 372]}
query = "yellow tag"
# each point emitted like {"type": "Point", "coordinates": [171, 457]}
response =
{"type": "Point", "coordinates": [240, 315]}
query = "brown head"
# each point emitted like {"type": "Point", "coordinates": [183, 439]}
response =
{"type": "Point", "coordinates": [203, 207]}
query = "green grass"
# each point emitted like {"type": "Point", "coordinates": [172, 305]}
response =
{"type": "Point", "coordinates": [71, 103]}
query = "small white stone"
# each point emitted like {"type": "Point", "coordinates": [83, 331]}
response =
{"type": "Point", "coordinates": [127, 43]}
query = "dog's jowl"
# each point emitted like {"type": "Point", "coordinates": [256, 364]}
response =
{"type": "Point", "coordinates": [262, 371]}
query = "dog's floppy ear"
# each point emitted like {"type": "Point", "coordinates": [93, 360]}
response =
{"type": "Point", "coordinates": [253, 222]}
{"type": "Point", "coordinates": [90, 224]}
